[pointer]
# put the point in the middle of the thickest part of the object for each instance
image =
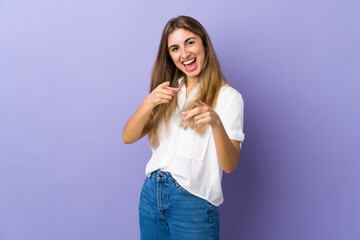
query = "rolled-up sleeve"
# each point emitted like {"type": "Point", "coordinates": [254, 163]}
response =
{"type": "Point", "coordinates": [233, 117]}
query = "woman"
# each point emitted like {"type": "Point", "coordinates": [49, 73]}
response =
{"type": "Point", "coordinates": [194, 121]}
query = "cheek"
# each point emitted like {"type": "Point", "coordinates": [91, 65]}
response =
{"type": "Point", "coordinates": [174, 57]}
{"type": "Point", "coordinates": [175, 60]}
{"type": "Point", "coordinates": [200, 52]}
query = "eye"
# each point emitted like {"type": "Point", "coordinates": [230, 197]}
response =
{"type": "Point", "coordinates": [174, 49]}
{"type": "Point", "coordinates": [190, 43]}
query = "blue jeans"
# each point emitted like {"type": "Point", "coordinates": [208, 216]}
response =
{"type": "Point", "coordinates": [168, 211]}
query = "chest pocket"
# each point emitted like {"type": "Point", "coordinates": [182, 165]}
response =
{"type": "Point", "coordinates": [192, 145]}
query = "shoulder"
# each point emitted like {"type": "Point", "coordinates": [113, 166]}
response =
{"type": "Point", "coordinates": [227, 95]}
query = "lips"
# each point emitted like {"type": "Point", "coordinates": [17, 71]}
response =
{"type": "Point", "coordinates": [190, 65]}
{"type": "Point", "coordinates": [189, 61]}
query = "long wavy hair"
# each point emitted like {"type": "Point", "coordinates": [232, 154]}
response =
{"type": "Point", "coordinates": [211, 79]}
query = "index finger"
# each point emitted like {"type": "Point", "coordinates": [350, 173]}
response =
{"type": "Point", "coordinates": [165, 84]}
{"type": "Point", "coordinates": [173, 89]}
{"type": "Point", "coordinates": [198, 102]}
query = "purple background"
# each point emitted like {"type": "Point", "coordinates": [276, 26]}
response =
{"type": "Point", "coordinates": [72, 73]}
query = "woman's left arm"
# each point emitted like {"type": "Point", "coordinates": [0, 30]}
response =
{"type": "Point", "coordinates": [227, 150]}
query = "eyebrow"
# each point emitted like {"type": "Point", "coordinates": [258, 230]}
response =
{"type": "Point", "coordinates": [184, 41]}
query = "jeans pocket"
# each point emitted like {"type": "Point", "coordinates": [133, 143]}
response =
{"type": "Point", "coordinates": [183, 190]}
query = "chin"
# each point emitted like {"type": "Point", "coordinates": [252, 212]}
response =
{"type": "Point", "coordinates": [192, 74]}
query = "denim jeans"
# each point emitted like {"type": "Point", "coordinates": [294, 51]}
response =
{"type": "Point", "coordinates": [168, 211]}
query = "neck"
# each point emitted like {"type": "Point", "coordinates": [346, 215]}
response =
{"type": "Point", "coordinates": [190, 84]}
{"type": "Point", "coordinates": [192, 81]}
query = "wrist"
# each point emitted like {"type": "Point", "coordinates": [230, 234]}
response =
{"type": "Point", "coordinates": [217, 123]}
{"type": "Point", "coordinates": [148, 104]}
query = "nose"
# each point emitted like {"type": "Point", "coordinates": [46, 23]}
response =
{"type": "Point", "coordinates": [185, 54]}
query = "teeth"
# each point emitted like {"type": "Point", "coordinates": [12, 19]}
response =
{"type": "Point", "coordinates": [190, 61]}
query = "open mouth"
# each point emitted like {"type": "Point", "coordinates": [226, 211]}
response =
{"type": "Point", "coordinates": [190, 65]}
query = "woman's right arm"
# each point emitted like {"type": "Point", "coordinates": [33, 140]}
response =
{"type": "Point", "coordinates": [135, 128]}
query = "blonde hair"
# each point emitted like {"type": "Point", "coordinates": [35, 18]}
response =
{"type": "Point", "coordinates": [211, 78]}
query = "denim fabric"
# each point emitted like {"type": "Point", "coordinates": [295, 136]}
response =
{"type": "Point", "coordinates": [168, 211]}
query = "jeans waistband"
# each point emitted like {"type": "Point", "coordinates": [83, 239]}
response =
{"type": "Point", "coordinates": [162, 175]}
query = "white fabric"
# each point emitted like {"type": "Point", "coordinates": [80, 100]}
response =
{"type": "Point", "coordinates": [191, 158]}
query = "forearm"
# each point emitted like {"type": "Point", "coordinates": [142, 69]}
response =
{"type": "Point", "coordinates": [134, 128]}
{"type": "Point", "coordinates": [227, 152]}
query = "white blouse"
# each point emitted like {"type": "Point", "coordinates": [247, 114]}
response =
{"type": "Point", "coordinates": [190, 158]}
